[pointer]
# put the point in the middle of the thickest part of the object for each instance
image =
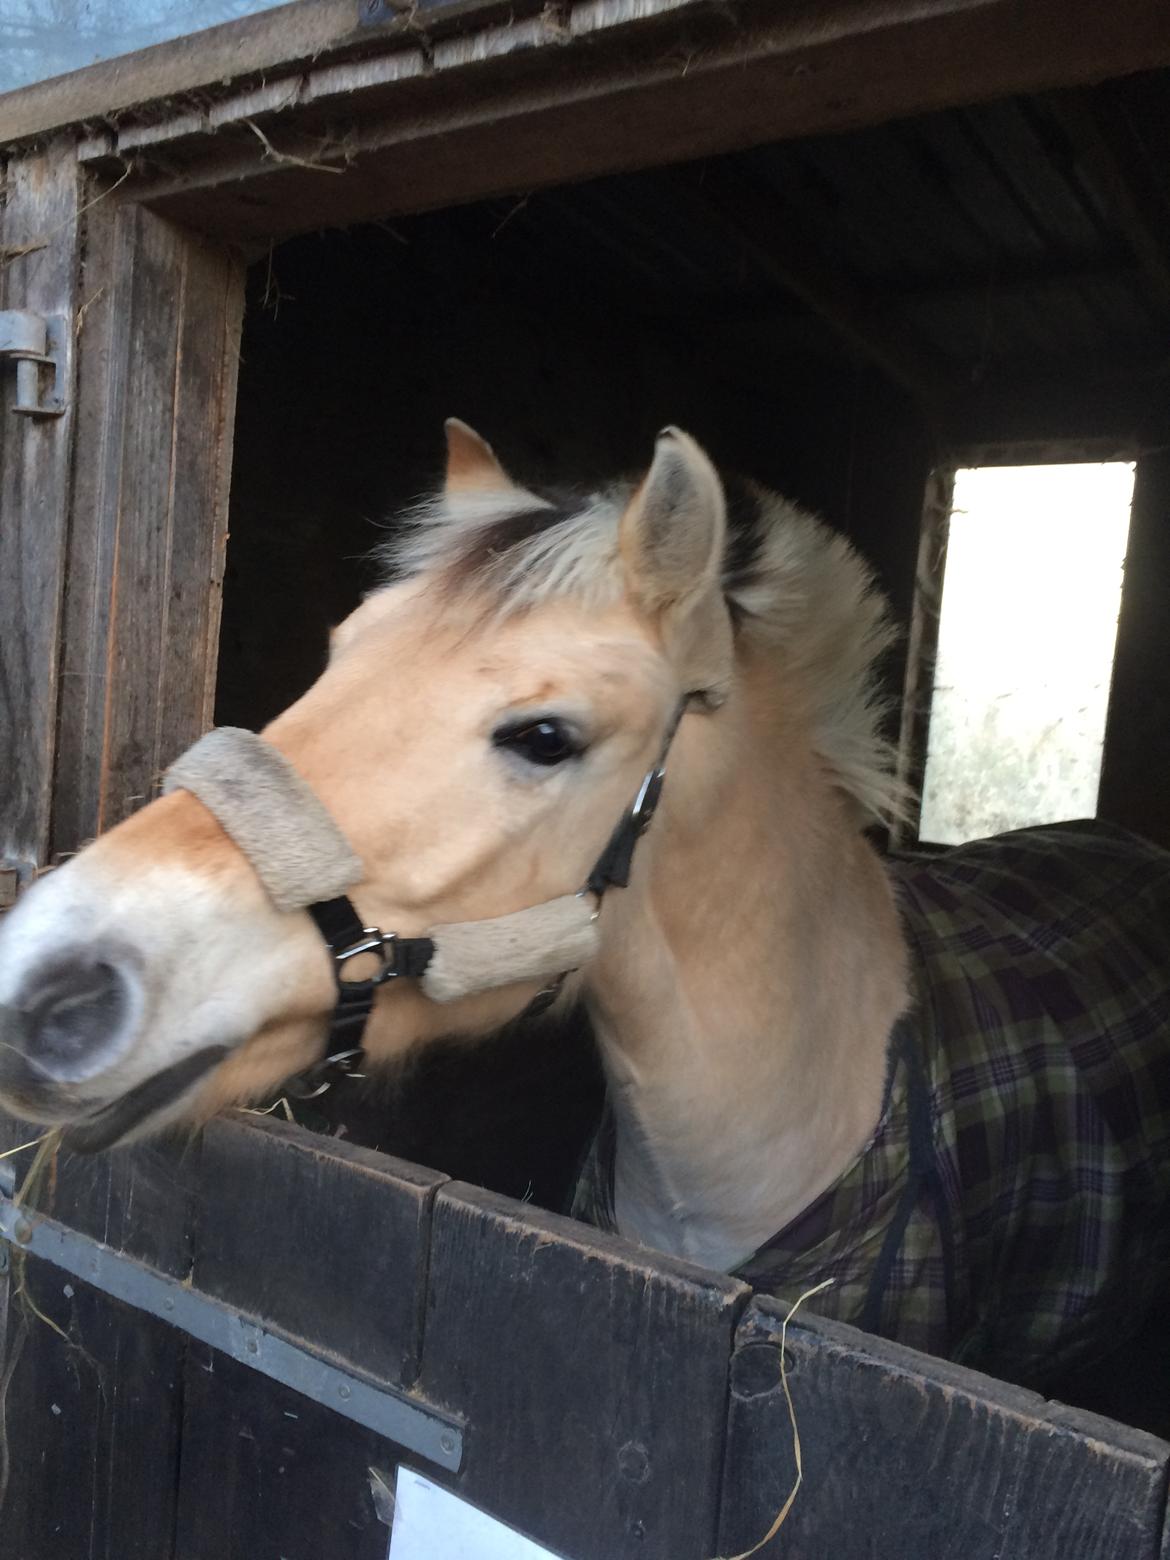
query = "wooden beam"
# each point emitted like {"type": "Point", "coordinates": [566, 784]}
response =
{"type": "Point", "coordinates": [629, 84]}
{"type": "Point", "coordinates": [281, 38]}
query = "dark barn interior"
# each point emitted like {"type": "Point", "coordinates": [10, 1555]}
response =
{"type": "Point", "coordinates": [838, 317]}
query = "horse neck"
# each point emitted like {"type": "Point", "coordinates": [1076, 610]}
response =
{"type": "Point", "coordinates": [745, 991]}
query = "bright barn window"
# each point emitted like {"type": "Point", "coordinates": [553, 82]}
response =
{"type": "Point", "coordinates": [1028, 624]}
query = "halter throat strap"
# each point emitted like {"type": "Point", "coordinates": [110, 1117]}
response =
{"type": "Point", "coordinates": [305, 862]}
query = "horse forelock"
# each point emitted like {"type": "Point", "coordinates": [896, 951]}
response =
{"type": "Point", "coordinates": [792, 585]}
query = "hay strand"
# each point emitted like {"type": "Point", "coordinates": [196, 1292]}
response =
{"type": "Point", "coordinates": [782, 1514]}
{"type": "Point", "coordinates": [20, 1147]}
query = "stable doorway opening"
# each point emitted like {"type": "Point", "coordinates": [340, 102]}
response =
{"type": "Point", "coordinates": [1023, 586]}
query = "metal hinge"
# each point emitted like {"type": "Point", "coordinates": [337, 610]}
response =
{"type": "Point", "coordinates": [40, 346]}
{"type": "Point", "coordinates": [15, 876]}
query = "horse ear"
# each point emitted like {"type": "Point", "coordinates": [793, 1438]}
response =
{"type": "Point", "coordinates": [672, 532]}
{"type": "Point", "coordinates": [471, 463]}
{"type": "Point", "coordinates": [672, 537]}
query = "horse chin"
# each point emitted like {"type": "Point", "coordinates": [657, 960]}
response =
{"type": "Point", "coordinates": [153, 1104]}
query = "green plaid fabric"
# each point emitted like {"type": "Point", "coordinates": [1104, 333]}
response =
{"type": "Point", "coordinates": [1012, 1209]}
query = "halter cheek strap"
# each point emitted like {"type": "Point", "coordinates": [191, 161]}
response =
{"type": "Point", "coordinates": [305, 862]}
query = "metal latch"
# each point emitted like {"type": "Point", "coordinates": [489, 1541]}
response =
{"type": "Point", "coordinates": [39, 345]}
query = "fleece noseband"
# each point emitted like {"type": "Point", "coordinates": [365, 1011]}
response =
{"type": "Point", "coordinates": [305, 862]}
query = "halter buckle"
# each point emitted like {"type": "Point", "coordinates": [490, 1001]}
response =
{"type": "Point", "coordinates": [373, 940]}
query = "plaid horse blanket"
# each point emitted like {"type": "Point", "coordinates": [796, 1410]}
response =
{"type": "Point", "coordinates": [1012, 1208]}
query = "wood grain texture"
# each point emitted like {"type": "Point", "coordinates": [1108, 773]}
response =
{"type": "Point", "coordinates": [593, 1377]}
{"type": "Point", "coordinates": [159, 352]}
{"type": "Point", "coordinates": [913, 1458]}
{"type": "Point", "coordinates": [38, 271]}
{"type": "Point", "coordinates": [334, 1249]}
{"type": "Point", "coordinates": [637, 87]}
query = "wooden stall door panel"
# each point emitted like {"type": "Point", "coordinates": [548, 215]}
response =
{"type": "Point", "coordinates": [38, 272]}
{"type": "Point", "coordinates": [268, 1475]}
{"type": "Point", "coordinates": [93, 1400]}
{"type": "Point", "coordinates": [915, 1459]}
{"type": "Point", "coordinates": [593, 1378]}
{"type": "Point", "coordinates": [324, 1240]}
{"type": "Point", "coordinates": [326, 1244]}
{"type": "Point", "coordinates": [94, 1423]}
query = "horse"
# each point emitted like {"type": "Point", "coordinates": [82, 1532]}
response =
{"type": "Point", "coordinates": [941, 1083]}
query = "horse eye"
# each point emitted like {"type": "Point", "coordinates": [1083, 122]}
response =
{"type": "Point", "coordinates": [544, 742]}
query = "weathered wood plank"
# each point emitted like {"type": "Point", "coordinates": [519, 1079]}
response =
{"type": "Point", "coordinates": [267, 1473]}
{"type": "Point", "coordinates": [334, 1247]}
{"type": "Point", "coordinates": [159, 352]}
{"type": "Point", "coordinates": [648, 85]}
{"type": "Point", "coordinates": [913, 1457]}
{"type": "Point", "coordinates": [331, 1245]}
{"type": "Point", "coordinates": [93, 1424]}
{"type": "Point", "coordinates": [38, 271]}
{"type": "Point", "coordinates": [283, 36]}
{"type": "Point", "coordinates": [593, 1378]}
{"type": "Point", "coordinates": [94, 1417]}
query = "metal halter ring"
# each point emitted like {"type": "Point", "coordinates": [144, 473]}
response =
{"type": "Point", "coordinates": [375, 941]}
{"type": "Point", "coordinates": [315, 1080]}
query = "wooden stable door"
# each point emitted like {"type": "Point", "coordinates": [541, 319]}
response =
{"type": "Point", "coordinates": [112, 511]}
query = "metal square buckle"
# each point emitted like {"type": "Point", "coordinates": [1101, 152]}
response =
{"type": "Point", "coordinates": [373, 941]}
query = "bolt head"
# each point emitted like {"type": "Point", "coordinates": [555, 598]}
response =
{"type": "Point", "coordinates": [22, 1231]}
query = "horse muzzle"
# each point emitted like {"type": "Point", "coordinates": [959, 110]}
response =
{"type": "Point", "coordinates": [73, 1020]}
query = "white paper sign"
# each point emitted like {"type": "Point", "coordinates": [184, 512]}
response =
{"type": "Point", "coordinates": [432, 1524]}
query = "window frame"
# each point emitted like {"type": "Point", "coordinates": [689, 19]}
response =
{"type": "Point", "coordinates": [926, 612]}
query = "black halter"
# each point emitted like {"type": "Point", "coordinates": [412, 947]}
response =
{"type": "Point", "coordinates": [347, 937]}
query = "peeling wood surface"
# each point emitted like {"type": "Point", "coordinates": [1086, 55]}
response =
{"type": "Point", "coordinates": [38, 271]}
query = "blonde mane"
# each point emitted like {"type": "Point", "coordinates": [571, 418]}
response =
{"type": "Point", "coordinates": [791, 585]}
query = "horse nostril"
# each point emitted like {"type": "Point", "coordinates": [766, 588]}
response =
{"type": "Point", "coordinates": [75, 1014]}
